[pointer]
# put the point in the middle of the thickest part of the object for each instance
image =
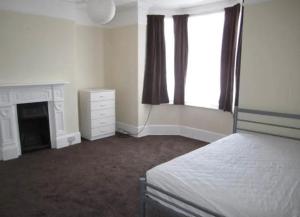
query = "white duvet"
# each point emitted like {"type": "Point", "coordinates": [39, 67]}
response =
{"type": "Point", "coordinates": [242, 175]}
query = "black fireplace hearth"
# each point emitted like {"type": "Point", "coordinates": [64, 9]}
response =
{"type": "Point", "coordinates": [34, 127]}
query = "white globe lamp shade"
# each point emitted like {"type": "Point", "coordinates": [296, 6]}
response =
{"type": "Point", "coordinates": [101, 11]}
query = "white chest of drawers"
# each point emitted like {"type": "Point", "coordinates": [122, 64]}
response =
{"type": "Point", "coordinates": [97, 113]}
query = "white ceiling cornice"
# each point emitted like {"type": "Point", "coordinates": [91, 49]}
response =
{"type": "Point", "coordinates": [74, 10]}
{"type": "Point", "coordinates": [184, 4]}
{"type": "Point", "coordinates": [128, 11]}
{"type": "Point", "coordinates": [193, 7]}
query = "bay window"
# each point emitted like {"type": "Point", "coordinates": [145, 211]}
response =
{"type": "Point", "coordinates": [202, 88]}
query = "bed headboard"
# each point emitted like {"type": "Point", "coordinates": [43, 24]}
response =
{"type": "Point", "coordinates": [266, 122]}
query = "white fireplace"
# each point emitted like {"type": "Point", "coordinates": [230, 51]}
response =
{"type": "Point", "coordinates": [13, 94]}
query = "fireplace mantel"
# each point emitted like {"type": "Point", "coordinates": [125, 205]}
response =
{"type": "Point", "coordinates": [32, 84]}
{"type": "Point", "coordinates": [13, 94]}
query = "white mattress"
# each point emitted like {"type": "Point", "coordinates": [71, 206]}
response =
{"type": "Point", "coordinates": [242, 175]}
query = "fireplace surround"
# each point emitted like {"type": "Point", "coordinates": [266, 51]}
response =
{"type": "Point", "coordinates": [11, 95]}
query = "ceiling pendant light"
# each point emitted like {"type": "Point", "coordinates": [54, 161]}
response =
{"type": "Point", "coordinates": [101, 11]}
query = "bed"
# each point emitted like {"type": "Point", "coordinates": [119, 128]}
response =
{"type": "Point", "coordinates": [254, 172]}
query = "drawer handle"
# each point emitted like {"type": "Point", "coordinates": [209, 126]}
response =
{"type": "Point", "coordinates": [102, 122]}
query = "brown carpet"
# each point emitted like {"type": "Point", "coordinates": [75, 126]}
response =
{"type": "Point", "coordinates": [91, 179]}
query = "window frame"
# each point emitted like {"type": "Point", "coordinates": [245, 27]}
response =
{"type": "Point", "coordinates": [170, 64]}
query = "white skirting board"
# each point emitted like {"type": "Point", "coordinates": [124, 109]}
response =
{"type": "Point", "coordinates": [9, 153]}
{"type": "Point", "coordinates": [189, 132]}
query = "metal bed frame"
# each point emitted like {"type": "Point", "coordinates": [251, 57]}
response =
{"type": "Point", "coordinates": [148, 198]}
{"type": "Point", "coordinates": [236, 127]}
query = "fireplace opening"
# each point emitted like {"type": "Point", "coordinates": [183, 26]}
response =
{"type": "Point", "coordinates": [34, 126]}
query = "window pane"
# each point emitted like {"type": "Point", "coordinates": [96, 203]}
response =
{"type": "Point", "coordinates": [169, 38]}
{"type": "Point", "coordinates": [203, 74]}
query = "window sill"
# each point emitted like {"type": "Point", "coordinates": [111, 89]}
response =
{"type": "Point", "coordinates": [203, 107]}
{"type": "Point", "coordinates": [199, 107]}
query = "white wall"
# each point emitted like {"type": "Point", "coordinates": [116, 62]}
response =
{"type": "Point", "coordinates": [56, 41]}
{"type": "Point", "coordinates": [44, 42]}
{"type": "Point", "coordinates": [39, 48]}
{"type": "Point", "coordinates": [121, 71]}
{"type": "Point", "coordinates": [90, 54]}
{"type": "Point", "coordinates": [194, 117]}
{"type": "Point", "coordinates": [271, 57]}
{"type": "Point", "coordinates": [44, 49]}
{"type": "Point", "coordinates": [270, 69]}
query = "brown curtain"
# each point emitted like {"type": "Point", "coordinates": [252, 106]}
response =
{"type": "Point", "coordinates": [238, 61]}
{"type": "Point", "coordinates": [155, 83]}
{"type": "Point", "coordinates": [228, 57]}
{"type": "Point", "coordinates": [181, 56]}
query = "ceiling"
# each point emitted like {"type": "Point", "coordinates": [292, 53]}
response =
{"type": "Point", "coordinates": [166, 4]}
{"type": "Point", "coordinates": [176, 4]}
{"type": "Point", "coordinates": [117, 2]}
{"type": "Point", "coordinates": [124, 2]}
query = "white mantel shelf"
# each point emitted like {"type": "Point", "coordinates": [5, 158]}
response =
{"type": "Point", "coordinates": [33, 84]}
{"type": "Point", "coordinates": [13, 94]}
